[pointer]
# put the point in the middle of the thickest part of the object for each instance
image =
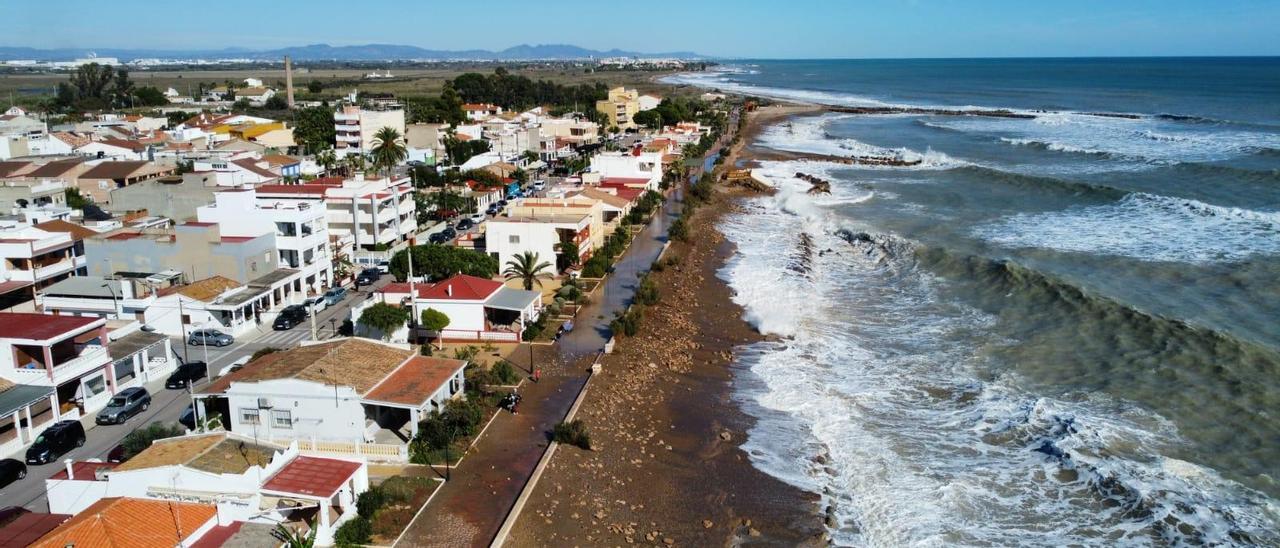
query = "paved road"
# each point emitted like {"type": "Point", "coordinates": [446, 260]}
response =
{"type": "Point", "coordinates": [168, 405]}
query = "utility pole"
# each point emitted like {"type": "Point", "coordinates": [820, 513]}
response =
{"type": "Point", "coordinates": [182, 325]}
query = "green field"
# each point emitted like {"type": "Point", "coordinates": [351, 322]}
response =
{"type": "Point", "coordinates": [28, 89]}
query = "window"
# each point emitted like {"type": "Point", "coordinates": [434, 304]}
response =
{"type": "Point", "coordinates": [282, 418]}
{"type": "Point", "coordinates": [249, 416]}
{"type": "Point", "coordinates": [513, 239]}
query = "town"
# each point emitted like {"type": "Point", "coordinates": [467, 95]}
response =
{"type": "Point", "coordinates": [238, 314]}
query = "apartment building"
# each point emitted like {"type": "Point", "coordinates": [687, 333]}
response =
{"type": "Point", "coordinates": [361, 213]}
{"type": "Point", "coordinates": [620, 106]}
{"type": "Point", "coordinates": [300, 228]}
{"type": "Point", "coordinates": [32, 258]}
{"type": "Point", "coordinates": [355, 127]}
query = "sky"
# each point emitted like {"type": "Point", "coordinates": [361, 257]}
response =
{"type": "Point", "coordinates": [720, 28]}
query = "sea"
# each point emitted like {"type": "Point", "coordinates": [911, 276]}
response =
{"type": "Point", "coordinates": [1060, 327]}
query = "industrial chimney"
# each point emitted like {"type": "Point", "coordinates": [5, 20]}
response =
{"type": "Point", "coordinates": [288, 79]}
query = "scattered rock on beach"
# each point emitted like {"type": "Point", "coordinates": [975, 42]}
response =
{"type": "Point", "coordinates": [726, 436]}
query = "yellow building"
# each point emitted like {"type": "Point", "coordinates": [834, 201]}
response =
{"type": "Point", "coordinates": [620, 107]}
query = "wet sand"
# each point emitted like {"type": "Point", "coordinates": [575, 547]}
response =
{"type": "Point", "coordinates": [666, 467]}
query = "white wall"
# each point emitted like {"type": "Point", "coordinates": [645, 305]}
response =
{"type": "Point", "coordinates": [463, 315]}
{"type": "Point", "coordinates": [315, 408]}
{"type": "Point", "coordinates": [540, 238]}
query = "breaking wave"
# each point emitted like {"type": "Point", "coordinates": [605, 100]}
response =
{"type": "Point", "coordinates": [881, 398]}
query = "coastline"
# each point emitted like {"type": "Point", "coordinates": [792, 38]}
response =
{"type": "Point", "coordinates": [667, 467]}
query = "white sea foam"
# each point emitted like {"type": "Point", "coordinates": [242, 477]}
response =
{"type": "Point", "coordinates": [809, 135]}
{"type": "Point", "coordinates": [1142, 139]}
{"type": "Point", "coordinates": [918, 449]}
{"type": "Point", "coordinates": [1147, 227]}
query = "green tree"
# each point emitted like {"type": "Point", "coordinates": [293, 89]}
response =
{"type": "Point", "coordinates": [326, 158]}
{"type": "Point", "coordinates": [388, 149]}
{"type": "Point", "coordinates": [149, 96]}
{"type": "Point", "coordinates": [75, 200]}
{"type": "Point", "coordinates": [438, 262]}
{"type": "Point", "coordinates": [567, 254]}
{"type": "Point", "coordinates": [434, 320]}
{"type": "Point", "coordinates": [385, 318]}
{"type": "Point", "coordinates": [138, 440]}
{"type": "Point", "coordinates": [460, 151]}
{"type": "Point", "coordinates": [315, 86]}
{"type": "Point", "coordinates": [276, 102]}
{"type": "Point", "coordinates": [526, 268]}
{"type": "Point", "coordinates": [313, 127]}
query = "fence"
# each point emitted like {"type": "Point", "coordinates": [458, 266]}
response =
{"type": "Point", "coordinates": [384, 452]}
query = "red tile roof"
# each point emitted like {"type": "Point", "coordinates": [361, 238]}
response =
{"type": "Point", "coordinates": [113, 170]}
{"type": "Point", "coordinates": [248, 164]}
{"type": "Point", "coordinates": [40, 327]}
{"type": "Point", "coordinates": [415, 381]}
{"type": "Point", "coordinates": [24, 530]}
{"type": "Point", "coordinates": [462, 287]}
{"type": "Point", "coordinates": [402, 288]}
{"type": "Point", "coordinates": [218, 536]}
{"type": "Point", "coordinates": [83, 470]}
{"type": "Point", "coordinates": [123, 143]}
{"type": "Point", "coordinates": [138, 523]}
{"type": "Point", "coordinates": [624, 181]}
{"type": "Point", "coordinates": [307, 189]}
{"type": "Point", "coordinates": [628, 193]}
{"type": "Point", "coordinates": [312, 476]}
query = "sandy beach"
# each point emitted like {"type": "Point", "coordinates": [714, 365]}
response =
{"type": "Point", "coordinates": [666, 468]}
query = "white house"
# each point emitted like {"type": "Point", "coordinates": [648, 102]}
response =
{"type": "Point", "coordinates": [478, 309]}
{"type": "Point", "coordinates": [249, 480]}
{"type": "Point", "coordinates": [51, 367]}
{"type": "Point", "coordinates": [638, 169]}
{"type": "Point", "coordinates": [365, 393]}
{"type": "Point", "coordinates": [361, 213]}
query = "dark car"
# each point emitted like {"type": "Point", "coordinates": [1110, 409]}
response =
{"type": "Point", "coordinates": [11, 470]}
{"type": "Point", "coordinates": [188, 417]}
{"type": "Point", "coordinates": [116, 454]}
{"type": "Point", "coordinates": [465, 225]}
{"type": "Point", "coordinates": [187, 374]}
{"type": "Point", "coordinates": [55, 441]}
{"type": "Point", "coordinates": [289, 317]}
{"type": "Point", "coordinates": [493, 209]}
{"type": "Point", "coordinates": [368, 276]}
{"type": "Point", "coordinates": [127, 403]}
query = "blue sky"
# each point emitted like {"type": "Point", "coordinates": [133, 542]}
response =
{"type": "Point", "coordinates": [742, 28]}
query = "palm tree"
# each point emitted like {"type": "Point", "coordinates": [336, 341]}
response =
{"type": "Point", "coordinates": [293, 538]}
{"type": "Point", "coordinates": [526, 268]}
{"type": "Point", "coordinates": [388, 149]}
{"type": "Point", "coordinates": [327, 159]}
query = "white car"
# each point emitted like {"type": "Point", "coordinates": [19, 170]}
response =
{"type": "Point", "coordinates": [539, 185]}
{"type": "Point", "coordinates": [316, 304]}
{"type": "Point", "coordinates": [477, 218]}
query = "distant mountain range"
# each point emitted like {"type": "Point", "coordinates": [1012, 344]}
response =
{"type": "Point", "coordinates": [326, 52]}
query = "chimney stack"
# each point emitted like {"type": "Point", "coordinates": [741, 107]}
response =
{"type": "Point", "coordinates": [71, 473]}
{"type": "Point", "coordinates": [288, 79]}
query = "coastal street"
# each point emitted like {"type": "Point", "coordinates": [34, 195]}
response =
{"type": "Point", "coordinates": [167, 405]}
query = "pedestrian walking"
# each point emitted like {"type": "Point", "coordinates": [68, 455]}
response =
{"type": "Point", "coordinates": [537, 374]}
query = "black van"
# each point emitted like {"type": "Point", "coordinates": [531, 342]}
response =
{"type": "Point", "coordinates": [187, 373]}
{"type": "Point", "coordinates": [289, 317]}
{"type": "Point", "coordinates": [55, 441]}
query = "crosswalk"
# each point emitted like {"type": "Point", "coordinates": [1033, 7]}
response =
{"type": "Point", "coordinates": [287, 339]}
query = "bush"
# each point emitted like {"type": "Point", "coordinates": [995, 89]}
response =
{"type": "Point", "coordinates": [647, 293]}
{"type": "Point", "coordinates": [138, 440]}
{"type": "Point", "coordinates": [356, 532]}
{"type": "Point", "coordinates": [572, 433]}
{"type": "Point", "coordinates": [408, 490]}
{"type": "Point", "coordinates": [597, 266]}
{"type": "Point", "coordinates": [569, 293]}
{"type": "Point", "coordinates": [263, 352]}
{"type": "Point", "coordinates": [627, 323]}
{"type": "Point", "coordinates": [505, 373]}
{"type": "Point", "coordinates": [679, 230]}
{"type": "Point", "coordinates": [370, 501]}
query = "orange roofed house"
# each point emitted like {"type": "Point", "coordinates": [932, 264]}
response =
{"type": "Point", "coordinates": [356, 391]}
{"type": "Point", "coordinates": [136, 523]}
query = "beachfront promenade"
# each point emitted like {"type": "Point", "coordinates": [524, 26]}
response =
{"type": "Point", "coordinates": [470, 508]}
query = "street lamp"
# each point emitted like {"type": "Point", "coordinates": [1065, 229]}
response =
{"type": "Point", "coordinates": [115, 302]}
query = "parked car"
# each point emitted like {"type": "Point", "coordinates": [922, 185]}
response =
{"type": "Point", "coordinates": [539, 185]}
{"type": "Point", "coordinates": [494, 209]}
{"type": "Point", "coordinates": [316, 304]}
{"type": "Point", "coordinates": [11, 470]}
{"type": "Point", "coordinates": [476, 218]}
{"type": "Point", "coordinates": [209, 337]}
{"type": "Point", "coordinates": [187, 374]}
{"type": "Point", "coordinates": [188, 417]}
{"type": "Point", "coordinates": [437, 238]}
{"type": "Point", "coordinates": [384, 266]}
{"type": "Point", "coordinates": [127, 403]}
{"type": "Point", "coordinates": [116, 454]}
{"type": "Point", "coordinates": [290, 317]}
{"type": "Point", "coordinates": [335, 295]}
{"type": "Point", "coordinates": [55, 441]}
{"type": "Point", "coordinates": [368, 276]}
{"type": "Point", "coordinates": [465, 225]}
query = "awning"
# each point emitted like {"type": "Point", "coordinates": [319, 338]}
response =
{"type": "Point", "coordinates": [22, 395]}
{"type": "Point", "coordinates": [512, 299]}
{"type": "Point", "coordinates": [536, 164]}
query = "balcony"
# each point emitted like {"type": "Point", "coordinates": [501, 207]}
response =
{"type": "Point", "coordinates": [340, 117]}
{"type": "Point", "coordinates": [91, 357]}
